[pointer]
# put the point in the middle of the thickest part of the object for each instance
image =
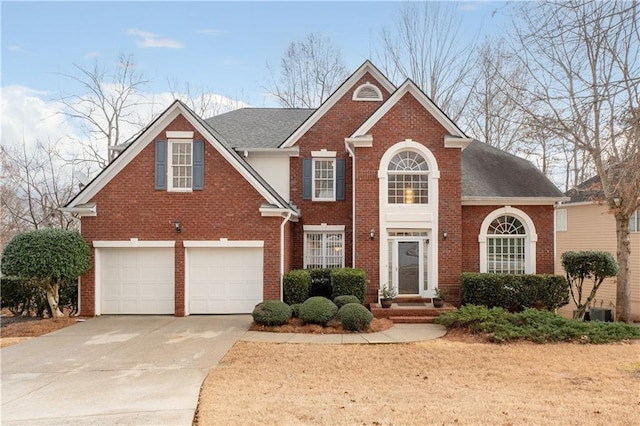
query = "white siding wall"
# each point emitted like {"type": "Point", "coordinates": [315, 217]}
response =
{"type": "Point", "coordinates": [274, 169]}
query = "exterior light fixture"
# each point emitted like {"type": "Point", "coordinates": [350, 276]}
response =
{"type": "Point", "coordinates": [372, 233]}
{"type": "Point", "coordinates": [445, 234]}
{"type": "Point", "coordinates": [178, 226]}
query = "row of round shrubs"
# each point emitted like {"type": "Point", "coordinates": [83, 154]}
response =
{"type": "Point", "coordinates": [316, 310]}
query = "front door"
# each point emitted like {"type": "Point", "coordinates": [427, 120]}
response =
{"type": "Point", "coordinates": [408, 264]}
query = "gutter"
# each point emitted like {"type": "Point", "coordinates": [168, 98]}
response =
{"type": "Point", "coordinates": [282, 225]}
{"type": "Point", "coordinates": [81, 210]}
{"type": "Point", "coordinates": [352, 154]}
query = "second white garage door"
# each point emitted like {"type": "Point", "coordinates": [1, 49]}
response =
{"type": "Point", "coordinates": [224, 280]}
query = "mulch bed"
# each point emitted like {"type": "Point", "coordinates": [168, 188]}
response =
{"type": "Point", "coordinates": [296, 325]}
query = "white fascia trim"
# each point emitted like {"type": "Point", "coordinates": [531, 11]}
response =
{"type": "Point", "coordinates": [148, 136]}
{"type": "Point", "coordinates": [81, 210]}
{"type": "Point", "coordinates": [276, 152]}
{"type": "Point", "coordinates": [408, 87]}
{"type": "Point", "coordinates": [336, 96]}
{"type": "Point", "coordinates": [179, 135]}
{"type": "Point", "coordinates": [562, 205]}
{"type": "Point", "coordinates": [323, 228]}
{"type": "Point", "coordinates": [133, 243]}
{"type": "Point", "coordinates": [277, 212]}
{"type": "Point", "coordinates": [223, 242]}
{"type": "Point", "coordinates": [510, 201]}
{"type": "Point", "coordinates": [364, 141]}
{"type": "Point", "coordinates": [457, 142]}
{"type": "Point", "coordinates": [323, 153]}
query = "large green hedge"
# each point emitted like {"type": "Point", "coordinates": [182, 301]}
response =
{"type": "Point", "coordinates": [349, 282]}
{"type": "Point", "coordinates": [514, 292]}
{"type": "Point", "coordinates": [300, 284]}
{"type": "Point", "coordinates": [296, 285]}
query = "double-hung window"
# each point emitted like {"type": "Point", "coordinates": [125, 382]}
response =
{"type": "Point", "coordinates": [323, 250]}
{"type": "Point", "coordinates": [324, 179]}
{"type": "Point", "coordinates": [634, 222]}
{"type": "Point", "coordinates": [180, 170]}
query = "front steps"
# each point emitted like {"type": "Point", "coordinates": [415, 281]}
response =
{"type": "Point", "coordinates": [410, 311]}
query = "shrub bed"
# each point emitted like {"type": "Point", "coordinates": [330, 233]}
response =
{"type": "Point", "coordinates": [272, 312]}
{"type": "Point", "coordinates": [355, 317]}
{"type": "Point", "coordinates": [514, 292]}
{"type": "Point", "coordinates": [535, 326]}
{"type": "Point", "coordinates": [317, 310]}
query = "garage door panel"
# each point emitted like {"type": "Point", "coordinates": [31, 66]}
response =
{"type": "Point", "coordinates": [137, 280]}
{"type": "Point", "coordinates": [224, 280]}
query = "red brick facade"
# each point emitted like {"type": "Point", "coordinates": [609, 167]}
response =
{"type": "Point", "coordinates": [129, 206]}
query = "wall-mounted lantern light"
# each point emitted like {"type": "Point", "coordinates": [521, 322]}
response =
{"type": "Point", "coordinates": [445, 234]}
{"type": "Point", "coordinates": [372, 233]}
{"type": "Point", "coordinates": [178, 226]}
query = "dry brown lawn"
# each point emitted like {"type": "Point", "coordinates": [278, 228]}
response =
{"type": "Point", "coordinates": [442, 381]}
{"type": "Point", "coordinates": [18, 329]}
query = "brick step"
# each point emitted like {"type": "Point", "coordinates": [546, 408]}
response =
{"type": "Point", "coordinates": [426, 310]}
{"type": "Point", "coordinates": [412, 320]}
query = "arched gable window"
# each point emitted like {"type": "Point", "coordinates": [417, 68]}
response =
{"type": "Point", "coordinates": [367, 92]}
{"type": "Point", "coordinates": [408, 179]}
{"type": "Point", "coordinates": [508, 242]}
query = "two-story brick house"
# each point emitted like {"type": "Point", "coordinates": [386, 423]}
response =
{"type": "Point", "coordinates": [205, 216]}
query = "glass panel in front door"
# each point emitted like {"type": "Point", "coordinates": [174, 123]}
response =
{"type": "Point", "coordinates": [408, 267]}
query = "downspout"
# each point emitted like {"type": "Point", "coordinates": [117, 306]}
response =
{"type": "Point", "coordinates": [284, 222]}
{"type": "Point", "coordinates": [353, 203]}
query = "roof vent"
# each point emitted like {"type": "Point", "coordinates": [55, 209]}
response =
{"type": "Point", "coordinates": [367, 92]}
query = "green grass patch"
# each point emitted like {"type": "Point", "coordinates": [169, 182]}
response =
{"type": "Point", "coordinates": [535, 326]}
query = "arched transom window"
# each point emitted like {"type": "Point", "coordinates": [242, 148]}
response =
{"type": "Point", "coordinates": [506, 246]}
{"type": "Point", "coordinates": [408, 177]}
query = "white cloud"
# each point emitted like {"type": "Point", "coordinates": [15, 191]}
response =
{"type": "Point", "coordinates": [32, 116]}
{"type": "Point", "coordinates": [91, 55]}
{"type": "Point", "coordinates": [153, 40]}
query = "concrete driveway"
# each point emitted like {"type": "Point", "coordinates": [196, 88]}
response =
{"type": "Point", "coordinates": [125, 370]}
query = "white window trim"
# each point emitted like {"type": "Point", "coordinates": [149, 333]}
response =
{"type": "Point", "coordinates": [530, 241]}
{"type": "Point", "coordinates": [324, 232]}
{"type": "Point", "coordinates": [170, 143]}
{"type": "Point", "coordinates": [367, 85]}
{"type": "Point", "coordinates": [313, 179]}
{"type": "Point", "coordinates": [634, 220]}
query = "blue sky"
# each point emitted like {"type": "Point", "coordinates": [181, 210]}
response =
{"type": "Point", "coordinates": [222, 47]}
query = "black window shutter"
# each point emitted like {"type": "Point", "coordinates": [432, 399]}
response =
{"type": "Point", "coordinates": [161, 165]}
{"type": "Point", "coordinates": [340, 179]}
{"type": "Point", "coordinates": [198, 165]}
{"type": "Point", "coordinates": [306, 178]}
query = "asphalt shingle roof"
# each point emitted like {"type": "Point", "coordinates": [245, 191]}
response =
{"type": "Point", "coordinates": [258, 127]}
{"type": "Point", "coordinates": [490, 172]}
{"type": "Point", "coordinates": [486, 171]}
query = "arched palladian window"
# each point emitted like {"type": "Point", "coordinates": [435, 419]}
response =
{"type": "Point", "coordinates": [408, 179]}
{"type": "Point", "coordinates": [506, 250]}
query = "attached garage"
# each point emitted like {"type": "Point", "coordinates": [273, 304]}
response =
{"type": "Point", "coordinates": [223, 277]}
{"type": "Point", "coordinates": [135, 280]}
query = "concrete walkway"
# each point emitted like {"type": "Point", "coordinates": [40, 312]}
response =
{"type": "Point", "coordinates": [399, 333]}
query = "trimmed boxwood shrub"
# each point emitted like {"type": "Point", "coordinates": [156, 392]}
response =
{"type": "Point", "coordinates": [296, 285]}
{"type": "Point", "coordinates": [295, 310]}
{"type": "Point", "coordinates": [272, 312]}
{"type": "Point", "coordinates": [514, 292]}
{"type": "Point", "coordinates": [320, 283]}
{"type": "Point", "coordinates": [340, 301]}
{"type": "Point", "coordinates": [349, 281]}
{"type": "Point", "coordinates": [317, 310]}
{"type": "Point", "coordinates": [355, 317]}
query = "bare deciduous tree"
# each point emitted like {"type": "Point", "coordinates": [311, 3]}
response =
{"type": "Point", "coordinates": [583, 67]}
{"type": "Point", "coordinates": [310, 70]}
{"type": "Point", "coordinates": [425, 46]}
{"type": "Point", "coordinates": [205, 103]}
{"type": "Point", "coordinates": [35, 182]}
{"type": "Point", "coordinates": [106, 107]}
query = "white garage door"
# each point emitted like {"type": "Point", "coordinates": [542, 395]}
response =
{"type": "Point", "coordinates": [224, 280]}
{"type": "Point", "coordinates": [136, 280]}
